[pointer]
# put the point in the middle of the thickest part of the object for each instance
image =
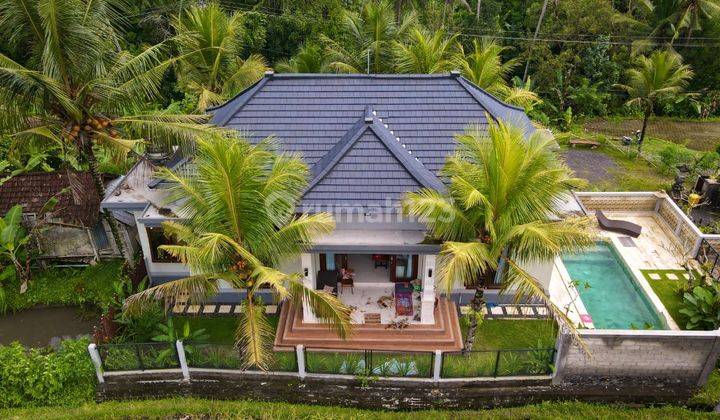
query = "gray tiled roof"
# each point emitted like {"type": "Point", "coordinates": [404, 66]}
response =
{"type": "Point", "coordinates": [313, 113]}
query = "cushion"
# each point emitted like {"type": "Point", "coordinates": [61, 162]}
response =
{"type": "Point", "coordinates": [329, 289]}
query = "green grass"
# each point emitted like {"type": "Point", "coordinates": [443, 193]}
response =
{"type": "Point", "coordinates": [667, 291]}
{"type": "Point", "coordinates": [709, 394]}
{"type": "Point", "coordinates": [220, 329]}
{"type": "Point", "coordinates": [630, 174]}
{"type": "Point", "coordinates": [513, 334]}
{"type": "Point", "coordinates": [499, 334]}
{"type": "Point", "coordinates": [199, 408]}
{"type": "Point", "coordinates": [66, 286]}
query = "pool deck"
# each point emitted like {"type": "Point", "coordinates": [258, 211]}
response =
{"type": "Point", "coordinates": [655, 248]}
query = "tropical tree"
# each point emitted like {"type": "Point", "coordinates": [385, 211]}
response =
{"type": "Point", "coordinates": [369, 37]}
{"type": "Point", "coordinates": [238, 224]}
{"type": "Point", "coordinates": [13, 250]}
{"type": "Point", "coordinates": [669, 17]}
{"type": "Point", "coordinates": [310, 59]}
{"type": "Point", "coordinates": [660, 76]}
{"type": "Point", "coordinates": [484, 66]}
{"type": "Point", "coordinates": [78, 90]}
{"type": "Point", "coordinates": [498, 214]}
{"type": "Point", "coordinates": [424, 52]}
{"type": "Point", "coordinates": [210, 66]}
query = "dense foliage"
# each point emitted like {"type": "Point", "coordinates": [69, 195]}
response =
{"type": "Point", "coordinates": [93, 285]}
{"type": "Point", "coordinates": [133, 70]}
{"type": "Point", "coordinates": [40, 377]}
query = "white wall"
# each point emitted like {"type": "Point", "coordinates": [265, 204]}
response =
{"type": "Point", "coordinates": [155, 268]}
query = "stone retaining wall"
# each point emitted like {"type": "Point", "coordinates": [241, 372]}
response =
{"type": "Point", "coordinates": [385, 394]}
{"type": "Point", "coordinates": [685, 357]}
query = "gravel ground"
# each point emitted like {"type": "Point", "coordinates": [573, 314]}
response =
{"type": "Point", "coordinates": [592, 165]}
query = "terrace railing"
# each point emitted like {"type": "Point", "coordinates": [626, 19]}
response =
{"type": "Point", "coordinates": [708, 256]}
{"type": "Point", "coordinates": [138, 356]}
{"type": "Point", "coordinates": [370, 363]}
{"type": "Point", "coordinates": [117, 358]}
{"type": "Point", "coordinates": [495, 363]}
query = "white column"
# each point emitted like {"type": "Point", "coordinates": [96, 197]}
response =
{"type": "Point", "coordinates": [95, 357]}
{"type": "Point", "coordinates": [437, 366]}
{"type": "Point", "coordinates": [308, 273]}
{"type": "Point", "coordinates": [182, 359]}
{"type": "Point", "coordinates": [427, 309]}
{"type": "Point", "coordinates": [300, 354]}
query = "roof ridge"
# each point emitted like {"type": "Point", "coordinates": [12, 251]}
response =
{"type": "Point", "coordinates": [370, 121]}
{"type": "Point", "coordinates": [362, 75]}
{"type": "Point", "coordinates": [496, 107]}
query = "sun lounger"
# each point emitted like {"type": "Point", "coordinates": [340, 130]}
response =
{"type": "Point", "coordinates": [620, 226]}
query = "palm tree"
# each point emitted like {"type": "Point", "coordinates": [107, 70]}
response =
{"type": "Point", "coordinates": [690, 13]}
{"type": "Point", "coordinates": [238, 224]}
{"type": "Point", "coordinates": [498, 214]}
{"type": "Point", "coordinates": [78, 90]}
{"type": "Point", "coordinates": [211, 68]}
{"type": "Point", "coordinates": [660, 76]}
{"type": "Point", "coordinates": [484, 67]}
{"type": "Point", "coordinates": [310, 59]}
{"type": "Point", "coordinates": [669, 17]}
{"type": "Point", "coordinates": [424, 52]}
{"type": "Point", "coordinates": [368, 40]}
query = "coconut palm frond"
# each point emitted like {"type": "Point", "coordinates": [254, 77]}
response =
{"type": "Point", "coordinates": [196, 288]}
{"type": "Point", "coordinates": [463, 263]}
{"type": "Point", "coordinates": [543, 241]}
{"type": "Point", "coordinates": [425, 52]}
{"type": "Point", "coordinates": [297, 235]}
{"type": "Point", "coordinates": [524, 286]}
{"type": "Point", "coordinates": [244, 73]}
{"type": "Point", "coordinates": [254, 336]}
{"type": "Point", "coordinates": [326, 307]}
{"type": "Point", "coordinates": [444, 220]}
{"type": "Point", "coordinates": [168, 129]}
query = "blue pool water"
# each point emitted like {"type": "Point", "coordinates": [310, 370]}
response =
{"type": "Point", "coordinates": [607, 288]}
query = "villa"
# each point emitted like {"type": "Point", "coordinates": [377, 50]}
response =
{"type": "Point", "coordinates": [369, 139]}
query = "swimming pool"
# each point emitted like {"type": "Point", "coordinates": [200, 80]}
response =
{"type": "Point", "coordinates": [609, 291]}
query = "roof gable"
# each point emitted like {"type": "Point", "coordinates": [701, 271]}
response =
{"type": "Point", "coordinates": [367, 167]}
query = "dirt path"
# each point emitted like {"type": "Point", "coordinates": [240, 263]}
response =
{"type": "Point", "coordinates": [592, 165]}
{"type": "Point", "coordinates": [698, 135]}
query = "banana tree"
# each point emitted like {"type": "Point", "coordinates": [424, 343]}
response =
{"type": "Point", "coordinates": [13, 247]}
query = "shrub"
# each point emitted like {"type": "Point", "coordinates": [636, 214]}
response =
{"type": "Point", "coordinates": [91, 285]}
{"type": "Point", "coordinates": [39, 377]}
{"type": "Point", "coordinates": [702, 307]}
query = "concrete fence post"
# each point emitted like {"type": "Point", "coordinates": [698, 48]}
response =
{"type": "Point", "coordinates": [95, 356]}
{"type": "Point", "coordinates": [710, 362]}
{"type": "Point", "coordinates": [437, 368]}
{"type": "Point", "coordinates": [300, 353]}
{"type": "Point", "coordinates": [562, 346]}
{"type": "Point", "coordinates": [182, 359]}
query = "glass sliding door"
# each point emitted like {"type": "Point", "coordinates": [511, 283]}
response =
{"type": "Point", "coordinates": [403, 267]}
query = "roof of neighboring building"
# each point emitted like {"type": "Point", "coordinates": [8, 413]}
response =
{"type": "Point", "coordinates": [367, 138]}
{"type": "Point", "coordinates": [79, 206]}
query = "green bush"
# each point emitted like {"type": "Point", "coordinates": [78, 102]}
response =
{"type": "Point", "coordinates": [92, 285]}
{"type": "Point", "coordinates": [41, 377]}
{"type": "Point", "coordinates": [702, 307]}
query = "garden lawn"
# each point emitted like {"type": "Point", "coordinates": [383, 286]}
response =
{"type": "Point", "coordinates": [505, 348]}
{"type": "Point", "coordinates": [495, 334]}
{"type": "Point", "coordinates": [66, 286]}
{"type": "Point", "coordinates": [667, 291]}
{"type": "Point", "coordinates": [198, 408]}
{"type": "Point", "coordinates": [220, 329]}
